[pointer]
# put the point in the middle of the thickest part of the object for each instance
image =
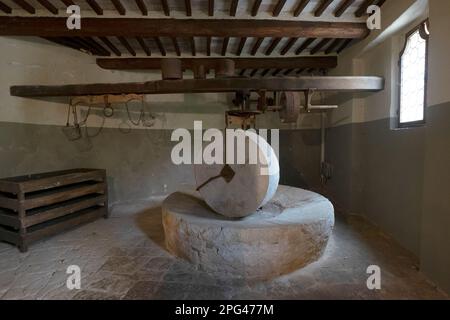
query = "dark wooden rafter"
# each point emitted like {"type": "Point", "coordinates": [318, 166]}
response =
{"type": "Point", "coordinates": [144, 46]}
{"type": "Point", "coordinates": [176, 46]}
{"type": "Point", "coordinates": [254, 72]}
{"type": "Point", "coordinates": [272, 46]}
{"type": "Point", "coordinates": [95, 6]}
{"type": "Point", "coordinates": [344, 45]}
{"type": "Point", "coordinates": [67, 3]}
{"type": "Point", "coordinates": [81, 43]}
{"type": "Point", "coordinates": [127, 45]}
{"type": "Point", "coordinates": [305, 45]}
{"type": "Point", "coordinates": [256, 46]}
{"type": "Point", "coordinates": [380, 3]}
{"type": "Point", "coordinates": [288, 46]}
{"type": "Point", "coordinates": [141, 5]}
{"type": "Point", "coordinates": [345, 4]}
{"type": "Point", "coordinates": [324, 4]}
{"type": "Point", "coordinates": [119, 7]}
{"type": "Point", "coordinates": [362, 10]}
{"type": "Point", "coordinates": [240, 63]}
{"type": "Point", "coordinates": [288, 71]}
{"type": "Point", "coordinates": [25, 6]}
{"type": "Point", "coordinates": [234, 84]}
{"type": "Point", "coordinates": [165, 6]}
{"type": "Point", "coordinates": [241, 46]}
{"type": "Point", "coordinates": [300, 7]}
{"type": "Point", "coordinates": [49, 6]}
{"type": "Point", "coordinates": [225, 46]}
{"type": "Point", "coordinates": [160, 45]}
{"type": "Point", "coordinates": [278, 7]}
{"type": "Point", "coordinates": [319, 46]}
{"type": "Point", "coordinates": [255, 7]}
{"type": "Point", "coordinates": [233, 7]}
{"type": "Point", "coordinates": [242, 72]}
{"type": "Point", "coordinates": [333, 46]}
{"type": "Point", "coordinates": [193, 49]}
{"type": "Point", "coordinates": [276, 72]}
{"type": "Point", "coordinates": [67, 42]}
{"type": "Point", "coordinates": [111, 46]}
{"type": "Point", "coordinates": [210, 8]}
{"type": "Point", "coordinates": [5, 8]}
{"type": "Point", "coordinates": [187, 4]}
{"type": "Point", "coordinates": [132, 27]}
{"type": "Point", "coordinates": [208, 46]}
{"type": "Point", "coordinates": [300, 71]}
{"type": "Point", "coordinates": [94, 46]}
{"type": "Point", "coordinates": [265, 72]}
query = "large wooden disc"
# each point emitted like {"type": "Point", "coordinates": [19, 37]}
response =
{"type": "Point", "coordinates": [251, 186]}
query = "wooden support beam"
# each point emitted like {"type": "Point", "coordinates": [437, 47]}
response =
{"type": "Point", "coordinates": [319, 46]}
{"type": "Point", "coordinates": [233, 8]}
{"type": "Point", "coordinates": [241, 46]}
{"type": "Point", "coordinates": [82, 44]}
{"type": "Point", "coordinates": [208, 46]}
{"type": "Point", "coordinates": [210, 8]}
{"type": "Point", "coordinates": [141, 5]}
{"type": "Point", "coordinates": [300, 71]}
{"type": "Point", "coordinates": [345, 4]}
{"type": "Point", "coordinates": [5, 8]}
{"type": "Point", "coordinates": [362, 10]}
{"type": "Point", "coordinates": [127, 46]}
{"type": "Point", "coordinates": [344, 45]}
{"type": "Point", "coordinates": [300, 7]}
{"type": "Point", "coordinates": [210, 63]}
{"type": "Point", "coordinates": [111, 46]}
{"type": "Point", "coordinates": [176, 46]}
{"type": "Point", "coordinates": [288, 46]}
{"type": "Point", "coordinates": [333, 46]}
{"type": "Point", "coordinates": [322, 7]}
{"type": "Point", "coordinates": [192, 42]}
{"type": "Point", "coordinates": [119, 7]}
{"type": "Point", "coordinates": [66, 42]}
{"type": "Point", "coordinates": [187, 4]}
{"type": "Point", "coordinates": [278, 7]}
{"type": "Point", "coordinates": [256, 46]}
{"type": "Point", "coordinates": [265, 72]}
{"type": "Point", "coordinates": [160, 46]}
{"type": "Point", "coordinates": [288, 71]}
{"type": "Point", "coordinates": [95, 6]}
{"type": "Point", "coordinates": [144, 46]}
{"type": "Point", "coordinates": [67, 3]}
{"type": "Point", "coordinates": [242, 72]}
{"type": "Point", "coordinates": [98, 47]}
{"type": "Point", "coordinates": [320, 83]}
{"type": "Point", "coordinates": [225, 45]}
{"type": "Point", "coordinates": [380, 3]}
{"type": "Point", "coordinates": [255, 7]}
{"type": "Point", "coordinates": [25, 6]}
{"type": "Point", "coordinates": [132, 27]}
{"type": "Point", "coordinates": [272, 46]}
{"type": "Point", "coordinates": [50, 7]}
{"type": "Point", "coordinates": [165, 6]}
{"type": "Point", "coordinates": [252, 74]}
{"type": "Point", "coordinates": [305, 45]}
{"type": "Point", "coordinates": [276, 72]}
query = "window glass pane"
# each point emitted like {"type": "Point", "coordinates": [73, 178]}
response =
{"type": "Point", "coordinates": [413, 67]}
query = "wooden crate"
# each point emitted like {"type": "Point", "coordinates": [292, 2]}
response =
{"type": "Point", "coordinates": [36, 206]}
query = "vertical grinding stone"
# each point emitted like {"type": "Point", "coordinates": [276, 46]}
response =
{"type": "Point", "coordinates": [252, 185]}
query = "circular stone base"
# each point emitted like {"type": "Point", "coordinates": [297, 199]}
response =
{"type": "Point", "coordinates": [288, 233]}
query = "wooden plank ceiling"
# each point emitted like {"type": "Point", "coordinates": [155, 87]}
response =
{"type": "Point", "coordinates": [274, 33]}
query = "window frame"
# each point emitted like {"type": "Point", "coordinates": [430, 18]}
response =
{"type": "Point", "coordinates": [421, 28]}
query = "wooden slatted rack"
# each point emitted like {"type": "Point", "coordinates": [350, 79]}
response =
{"type": "Point", "coordinates": [36, 206]}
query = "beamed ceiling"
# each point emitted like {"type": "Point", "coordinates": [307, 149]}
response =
{"type": "Point", "coordinates": [265, 37]}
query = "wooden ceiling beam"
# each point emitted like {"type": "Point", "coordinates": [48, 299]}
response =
{"type": "Point", "coordinates": [322, 7]}
{"type": "Point", "coordinates": [141, 5]}
{"type": "Point", "coordinates": [240, 63]}
{"type": "Point", "coordinates": [300, 7]}
{"type": "Point", "coordinates": [319, 46]}
{"type": "Point", "coordinates": [47, 5]}
{"type": "Point", "coordinates": [210, 8]}
{"type": "Point", "coordinates": [127, 45]}
{"type": "Point", "coordinates": [25, 6]}
{"type": "Point", "coordinates": [5, 8]}
{"type": "Point", "coordinates": [345, 4]}
{"type": "Point", "coordinates": [176, 46]}
{"type": "Point", "coordinates": [265, 72]}
{"type": "Point", "coordinates": [242, 72]}
{"type": "Point", "coordinates": [165, 6]}
{"type": "Point", "coordinates": [160, 46]}
{"type": "Point", "coordinates": [132, 27]}
{"type": "Point", "coordinates": [187, 4]}
{"type": "Point", "coordinates": [144, 46]}
{"type": "Point", "coordinates": [225, 45]}
{"type": "Point", "coordinates": [241, 46]}
{"type": "Point", "coordinates": [333, 46]}
{"type": "Point", "coordinates": [255, 7]}
{"type": "Point", "coordinates": [256, 46]}
{"type": "Point", "coordinates": [95, 6]}
{"type": "Point", "coordinates": [67, 3]}
{"type": "Point", "coordinates": [111, 46]}
{"type": "Point", "coordinates": [288, 46]}
{"type": "Point", "coordinates": [193, 49]}
{"type": "Point", "coordinates": [254, 72]}
{"type": "Point", "coordinates": [278, 7]}
{"type": "Point", "coordinates": [233, 8]}
{"type": "Point", "coordinates": [305, 45]}
{"type": "Point", "coordinates": [208, 46]}
{"type": "Point", "coordinates": [272, 46]}
{"type": "Point", "coordinates": [288, 71]}
{"type": "Point", "coordinates": [344, 45]}
{"type": "Point", "coordinates": [362, 10]}
{"type": "Point", "coordinates": [119, 7]}
{"type": "Point", "coordinates": [320, 83]}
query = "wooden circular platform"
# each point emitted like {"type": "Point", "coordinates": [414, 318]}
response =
{"type": "Point", "coordinates": [288, 233]}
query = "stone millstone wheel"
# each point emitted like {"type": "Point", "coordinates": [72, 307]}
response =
{"type": "Point", "coordinates": [238, 190]}
{"type": "Point", "coordinates": [290, 107]}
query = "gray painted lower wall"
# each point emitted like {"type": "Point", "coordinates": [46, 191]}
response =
{"type": "Point", "coordinates": [138, 163]}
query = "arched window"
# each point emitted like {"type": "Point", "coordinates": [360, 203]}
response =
{"type": "Point", "coordinates": [413, 77]}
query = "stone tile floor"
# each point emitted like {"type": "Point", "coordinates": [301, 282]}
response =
{"type": "Point", "coordinates": [124, 258]}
